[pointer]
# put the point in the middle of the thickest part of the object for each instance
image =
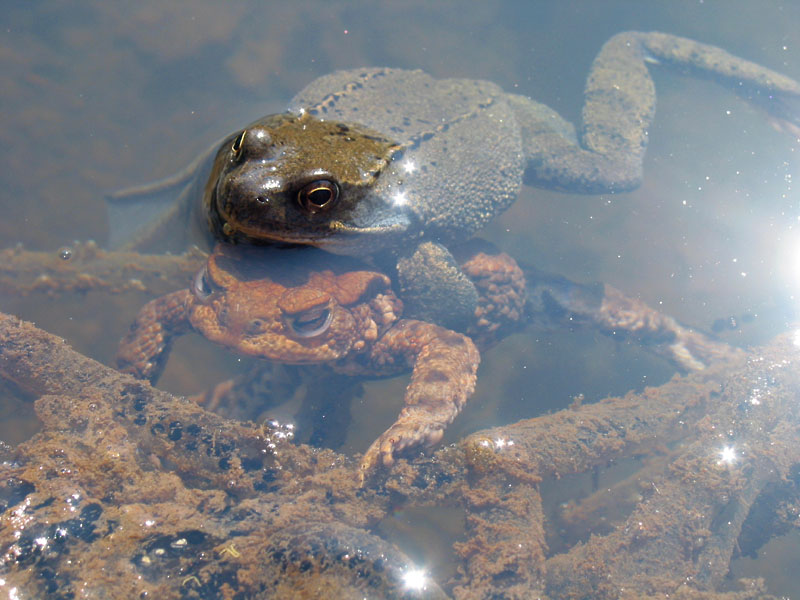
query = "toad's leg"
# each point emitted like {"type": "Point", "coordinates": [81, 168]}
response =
{"type": "Point", "coordinates": [246, 396]}
{"type": "Point", "coordinates": [689, 349]}
{"type": "Point", "coordinates": [620, 104]}
{"type": "Point", "coordinates": [502, 296]}
{"type": "Point", "coordinates": [143, 352]}
{"type": "Point", "coordinates": [432, 287]}
{"type": "Point", "coordinates": [509, 297]}
{"type": "Point", "coordinates": [553, 299]}
{"type": "Point", "coordinates": [445, 364]}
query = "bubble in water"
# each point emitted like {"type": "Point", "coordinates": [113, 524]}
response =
{"type": "Point", "coordinates": [65, 253]}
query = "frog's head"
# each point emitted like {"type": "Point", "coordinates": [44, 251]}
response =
{"type": "Point", "coordinates": [303, 180]}
{"type": "Point", "coordinates": [292, 313]}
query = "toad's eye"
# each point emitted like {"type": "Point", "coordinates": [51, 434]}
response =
{"type": "Point", "coordinates": [202, 287]}
{"type": "Point", "coordinates": [238, 144]}
{"type": "Point", "coordinates": [312, 322]}
{"type": "Point", "coordinates": [318, 196]}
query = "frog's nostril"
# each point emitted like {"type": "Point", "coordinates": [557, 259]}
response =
{"type": "Point", "coordinates": [238, 144]}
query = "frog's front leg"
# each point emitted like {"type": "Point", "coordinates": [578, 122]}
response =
{"type": "Point", "coordinates": [619, 106]}
{"type": "Point", "coordinates": [434, 288]}
{"type": "Point", "coordinates": [143, 352]}
{"type": "Point", "coordinates": [445, 364]}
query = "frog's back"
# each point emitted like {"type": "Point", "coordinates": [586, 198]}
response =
{"type": "Point", "coordinates": [462, 159]}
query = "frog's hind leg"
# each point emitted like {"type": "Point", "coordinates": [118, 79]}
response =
{"type": "Point", "coordinates": [619, 107]}
{"type": "Point", "coordinates": [775, 93]}
{"type": "Point", "coordinates": [157, 217]}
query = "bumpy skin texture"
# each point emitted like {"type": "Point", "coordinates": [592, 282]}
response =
{"type": "Point", "coordinates": [145, 349]}
{"type": "Point", "coordinates": [396, 143]}
{"type": "Point", "coordinates": [309, 309]}
{"type": "Point", "coordinates": [379, 160]}
{"type": "Point", "coordinates": [347, 318]}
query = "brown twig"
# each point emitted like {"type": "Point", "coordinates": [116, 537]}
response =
{"type": "Point", "coordinates": [83, 267]}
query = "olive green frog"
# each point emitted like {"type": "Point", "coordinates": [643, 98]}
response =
{"type": "Point", "coordinates": [377, 161]}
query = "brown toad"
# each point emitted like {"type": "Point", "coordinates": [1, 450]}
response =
{"type": "Point", "coordinates": [306, 308]}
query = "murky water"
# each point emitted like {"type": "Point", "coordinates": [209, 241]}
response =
{"type": "Point", "coordinates": [102, 96]}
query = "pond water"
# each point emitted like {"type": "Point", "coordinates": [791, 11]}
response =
{"type": "Point", "coordinates": [99, 96]}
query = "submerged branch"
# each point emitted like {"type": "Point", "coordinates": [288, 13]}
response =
{"type": "Point", "coordinates": [83, 267]}
{"type": "Point", "coordinates": [136, 455]}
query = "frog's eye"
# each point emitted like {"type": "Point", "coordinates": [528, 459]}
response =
{"type": "Point", "coordinates": [238, 144]}
{"type": "Point", "coordinates": [311, 323]}
{"type": "Point", "coordinates": [202, 287]}
{"type": "Point", "coordinates": [318, 196]}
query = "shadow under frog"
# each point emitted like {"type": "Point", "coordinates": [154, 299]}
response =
{"type": "Point", "coordinates": [385, 162]}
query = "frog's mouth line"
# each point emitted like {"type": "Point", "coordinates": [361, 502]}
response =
{"type": "Point", "coordinates": [335, 234]}
{"type": "Point", "coordinates": [338, 227]}
{"type": "Point", "coordinates": [342, 238]}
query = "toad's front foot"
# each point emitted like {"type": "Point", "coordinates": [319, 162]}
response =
{"type": "Point", "coordinates": [443, 377]}
{"type": "Point", "coordinates": [405, 433]}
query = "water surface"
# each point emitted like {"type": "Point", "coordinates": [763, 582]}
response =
{"type": "Point", "coordinates": [100, 96]}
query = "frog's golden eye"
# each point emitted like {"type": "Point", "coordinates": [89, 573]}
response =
{"type": "Point", "coordinates": [238, 144]}
{"type": "Point", "coordinates": [318, 196]}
